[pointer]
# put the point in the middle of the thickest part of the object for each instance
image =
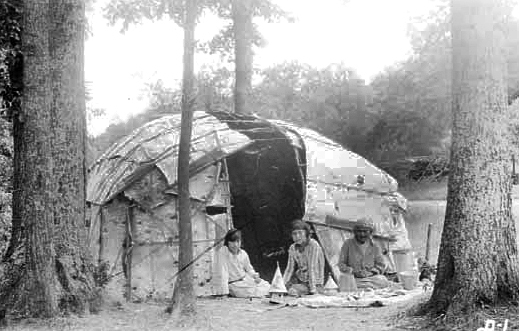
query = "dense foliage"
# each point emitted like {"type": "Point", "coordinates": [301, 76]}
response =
{"type": "Point", "coordinates": [6, 173]}
{"type": "Point", "coordinates": [10, 92]}
{"type": "Point", "coordinates": [10, 56]}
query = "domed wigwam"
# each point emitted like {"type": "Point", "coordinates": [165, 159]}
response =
{"type": "Point", "coordinates": [132, 190]}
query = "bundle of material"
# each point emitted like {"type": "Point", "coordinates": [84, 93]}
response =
{"type": "Point", "coordinates": [427, 271]}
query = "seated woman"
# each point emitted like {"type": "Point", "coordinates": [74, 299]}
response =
{"type": "Point", "coordinates": [234, 274]}
{"type": "Point", "coordinates": [360, 256]}
{"type": "Point", "coordinates": [304, 273]}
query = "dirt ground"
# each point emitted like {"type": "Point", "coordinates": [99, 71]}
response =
{"type": "Point", "coordinates": [230, 314]}
{"type": "Point", "coordinates": [254, 315]}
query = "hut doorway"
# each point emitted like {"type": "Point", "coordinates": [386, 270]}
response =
{"type": "Point", "coordinates": [267, 183]}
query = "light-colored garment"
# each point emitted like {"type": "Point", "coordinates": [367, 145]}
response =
{"type": "Point", "coordinates": [248, 288]}
{"type": "Point", "coordinates": [305, 266]}
{"type": "Point", "coordinates": [233, 274]}
{"type": "Point", "coordinates": [399, 232]}
{"type": "Point", "coordinates": [238, 265]}
{"type": "Point", "coordinates": [353, 258]}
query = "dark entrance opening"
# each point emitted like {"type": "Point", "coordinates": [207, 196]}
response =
{"type": "Point", "coordinates": [267, 182]}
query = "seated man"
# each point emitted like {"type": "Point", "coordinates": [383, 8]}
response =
{"type": "Point", "coordinates": [361, 257]}
{"type": "Point", "coordinates": [305, 269]}
{"type": "Point", "coordinates": [234, 274]}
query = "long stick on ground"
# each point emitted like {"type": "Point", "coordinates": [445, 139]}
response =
{"type": "Point", "coordinates": [428, 243]}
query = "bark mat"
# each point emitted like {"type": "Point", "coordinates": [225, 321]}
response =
{"type": "Point", "coordinates": [377, 298]}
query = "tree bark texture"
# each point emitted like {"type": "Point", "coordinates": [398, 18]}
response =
{"type": "Point", "coordinates": [47, 270]}
{"type": "Point", "coordinates": [184, 301]}
{"type": "Point", "coordinates": [243, 30]}
{"type": "Point", "coordinates": [68, 124]}
{"type": "Point", "coordinates": [478, 260]}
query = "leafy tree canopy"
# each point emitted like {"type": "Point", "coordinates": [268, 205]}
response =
{"type": "Point", "coordinates": [136, 11]}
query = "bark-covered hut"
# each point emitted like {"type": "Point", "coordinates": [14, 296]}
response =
{"type": "Point", "coordinates": [246, 172]}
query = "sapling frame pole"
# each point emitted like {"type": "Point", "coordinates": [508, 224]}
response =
{"type": "Point", "coordinates": [101, 239]}
{"type": "Point", "coordinates": [129, 253]}
{"type": "Point", "coordinates": [428, 242]}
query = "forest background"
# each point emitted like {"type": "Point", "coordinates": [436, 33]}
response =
{"type": "Point", "coordinates": [400, 120]}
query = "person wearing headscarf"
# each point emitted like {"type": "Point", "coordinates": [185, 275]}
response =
{"type": "Point", "coordinates": [234, 273]}
{"type": "Point", "coordinates": [304, 273]}
{"type": "Point", "coordinates": [362, 258]}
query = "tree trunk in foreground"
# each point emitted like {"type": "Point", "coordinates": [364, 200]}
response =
{"type": "Point", "coordinates": [73, 262]}
{"type": "Point", "coordinates": [242, 28]}
{"type": "Point", "coordinates": [46, 271]}
{"type": "Point", "coordinates": [184, 301]}
{"type": "Point", "coordinates": [478, 260]}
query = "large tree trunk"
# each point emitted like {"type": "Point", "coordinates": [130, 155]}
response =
{"type": "Point", "coordinates": [46, 270]}
{"type": "Point", "coordinates": [68, 122]}
{"type": "Point", "coordinates": [184, 303]}
{"type": "Point", "coordinates": [242, 28]}
{"type": "Point", "coordinates": [478, 253]}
